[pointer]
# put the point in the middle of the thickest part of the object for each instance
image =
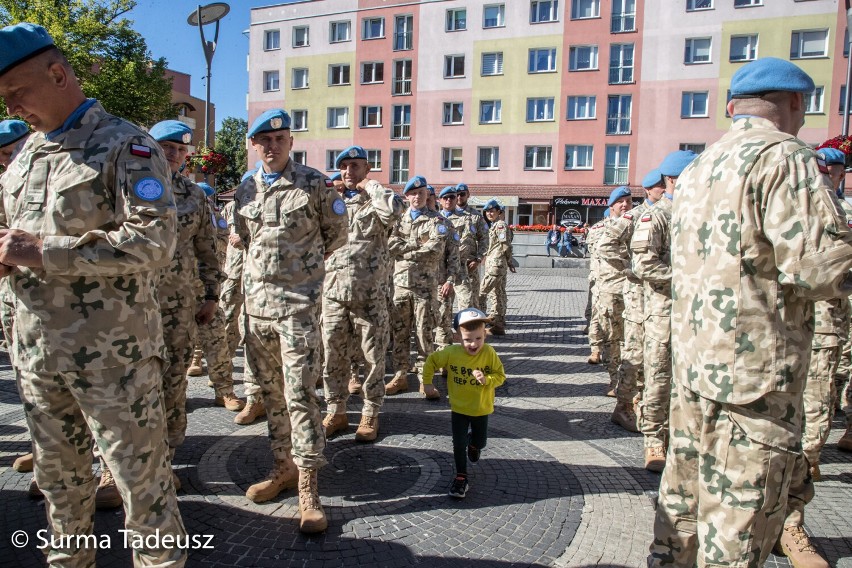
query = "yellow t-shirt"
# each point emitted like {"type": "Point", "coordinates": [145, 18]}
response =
{"type": "Point", "coordinates": [466, 395]}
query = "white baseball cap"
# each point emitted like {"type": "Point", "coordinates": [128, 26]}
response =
{"type": "Point", "coordinates": [469, 315]}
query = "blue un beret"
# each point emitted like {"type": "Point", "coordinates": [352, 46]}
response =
{"type": "Point", "coordinates": [431, 190]}
{"type": "Point", "coordinates": [606, 213]}
{"type": "Point", "coordinates": [171, 131]}
{"type": "Point", "coordinates": [492, 204]}
{"type": "Point", "coordinates": [351, 153]}
{"type": "Point", "coordinates": [336, 177]}
{"type": "Point", "coordinates": [618, 193]}
{"type": "Point", "coordinates": [673, 164]}
{"type": "Point", "coordinates": [832, 156]}
{"type": "Point", "coordinates": [769, 74]}
{"type": "Point", "coordinates": [653, 178]}
{"type": "Point", "coordinates": [449, 190]}
{"type": "Point", "coordinates": [270, 121]}
{"type": "Point", "coordinates": [208, 191]}
{"type": "Point", "coordinates": [21, 42]}
{"type": "Point", "coordinates": [11, 131]}
{"type": "Point", "coordinates": [462, 187]}
{"type": "Point", "coordinates": [414, 183]}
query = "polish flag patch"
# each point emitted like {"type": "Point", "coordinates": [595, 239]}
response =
{"type": "Point", "coordinates": [628, 216]}
{"type": "Point", "coordinates": [329, 183]}
{"type": "Point", "coordinates": [141, 151]}
{"type": "Point", "coordinates": [646, 218]}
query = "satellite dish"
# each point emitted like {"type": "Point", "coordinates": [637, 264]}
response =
{"type": "Point", "coordinates": [209, 13]}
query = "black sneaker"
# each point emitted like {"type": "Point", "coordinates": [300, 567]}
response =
{"type": "Point", "coordinates": [472, 453]}
{"type": "Point", "coordinates": [459, 487]}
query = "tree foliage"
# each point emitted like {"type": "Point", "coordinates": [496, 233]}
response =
{"type": "Point", "coordinates": [111, 60]}
{"type": "Point", "coordinates": [231, 141]}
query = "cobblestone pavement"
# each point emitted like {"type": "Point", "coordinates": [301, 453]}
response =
{"type": "Point", "coordinates": [558, 484]}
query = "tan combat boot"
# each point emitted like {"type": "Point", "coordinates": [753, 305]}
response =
{"type": "Point", "coordinates": [313, 517]}
{"type": "Point", "coordinates": [284, 475]}
{"type": "Point", "coordinates": [795, 545]}
{"type": "Point", "coordinates": [368, 429]}
{"type": "Point", "coordinates": [399, 383]}
{"type": "Point", "coordinates": [194, 369]}
{"type": "Point", "coordinates": [595, 358]}
{"type": "Point", "coordinates": [107, 495]}
{"type": "Point", "coordinates": [845, 442]}
{"type": "Point", "coordinates": [624, 416]}
{"type": "Point", "coordinates": [335, 423]}
{"type": "Point", "coordinates": [354, 383]}
{"type": "Point", "coordinates": [23, 464]}
{"type": "Point", "coordinates": [230, 402]}
{"type": "Point", "coordinates": [252, 411]}
{"type": "Point", "coordinates": [655, 459]}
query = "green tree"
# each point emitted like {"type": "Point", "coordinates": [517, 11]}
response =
{"type": "Point", "coordinates": [111, 59]}
{"type": "Point", "coordinates": [231, 141]}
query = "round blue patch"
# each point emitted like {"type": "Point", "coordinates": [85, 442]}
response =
{"type": "Point", "coordinates": [222, 223]}
{"type": "Point", "coordinates": [148, 189]}
{"type": "Point", "coordinates": [442, 229]}
{"type": "Point", "coordinates": [338, 206]}
{"type": "Point", "coordinates": [473, 228]}
{"type": "Point", "coordinates": [456, 236]}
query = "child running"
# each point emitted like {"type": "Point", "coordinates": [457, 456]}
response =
{"type": "Point", "coordinates": [473, 372]}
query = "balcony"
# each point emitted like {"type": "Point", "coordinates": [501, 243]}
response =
{"type": "Point", "coordinates": [401, 132]}
{"type": "Point", "coordinates": [620, 75]}
{"type": "Point", "coordinates": [622, 23]}
{"type": "Point", "coordinates": [618, 124]}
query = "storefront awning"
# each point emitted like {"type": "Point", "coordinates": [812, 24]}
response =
{"type": "Point", "coordinates": [505, 200]}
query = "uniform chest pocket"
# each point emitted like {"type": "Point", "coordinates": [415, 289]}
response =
{"type": "Point", "coordinates": [640, 240]}
{"type": "Point", "coordinates": [78, 199]}
{"type": "Point", "coordinates": [366, 223]}
{"type": "Point", "coordinates": [291, 212]}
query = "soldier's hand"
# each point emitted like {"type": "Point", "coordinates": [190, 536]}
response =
{"type": "Point", "coordinates": [446, 289]}
{"type": "Point", "coordinates": [235, 241]}
{"type": "Point", "coordinates": [512, 269]}
{"type": "Point", "coordinates": [472, 264]}
{"type": "Point", "coordinates": [362, 185]}
{"type": "Point", "coordinates": [20, 248]}
{"type": "Point", "coordinates": [206, 312]}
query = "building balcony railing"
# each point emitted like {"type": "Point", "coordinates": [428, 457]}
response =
{"type": "Point", "coordinates": [620, 75]}
{"type": "Point", "coordinates": [623, 23]}
{"type": "Point", "coordinates": [401, 87]}
{"type": "Point", "coordinates": [615, 176]}
{"type": "Point", "coordinates": [618, 124]}
{"type": "Point", "coordinates": [401, 132]}
{"type": "Point", "coordinates": [403, 41]}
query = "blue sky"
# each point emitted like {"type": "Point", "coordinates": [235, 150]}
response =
{"type": "Point", "coordinates": [163, 24]}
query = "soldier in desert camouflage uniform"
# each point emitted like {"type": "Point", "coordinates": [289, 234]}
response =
{"type": "Point", "coordinates": [354, 311]}
{"type": "Point", "coordinates": [450, 273]}
{"type": "Point", "coordinates": [290, 219]}
{"type": "Point", "coordinates": [467, 289]}
{"type": "Point", "coordinates": [498, 260]}
{"type": "Point", "coordinates": [81, 246]}
{"type": "Point", "coordinates": [756, 237]}
{"type": "Point", "coordinates": [596, 342]}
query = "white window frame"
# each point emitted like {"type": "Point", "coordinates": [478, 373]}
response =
{"type": "Point", "coordinates": [620, 123]}
{"type": "Point", "coordinates": [798, 39]}
{"type": "Point", "coordinates": [617, 171]}
{"type": "Point", "coordinates": [400, 130]}
{"type": "Point", "coordinates": [449, 157]}
{"type": "Point", "coordinates": [339, 74]}
{"type": "Point", "coordinates": [696, 147]}
{"type": "Point", "coordinates": [573, 57]}
{"type": "Point", "coordinates": [374, 65]}
{"type": "Point", "coordinates": [374, 158]}
{"type": "Point", "coordinates": [501, 16]}
{"type": "Point", "coordinates": [689, 51]}
{"type": "Point", "coordinates": [588, 103]}
{"type": "Point", "coordinates": [814, 102]}
{"type": "Point", "coordinates": [296, 71]}
{"type": "Point", "coordinates": [366, 112]}
{"type": "Point", "coordinates": [334, 30]}
{"type": "Point", "coordinates": [552, 11]}
{"type": "Point", "coordinates": [366, 26]}
{"type": "Point", "coordinates": [574, 151]}
{"type": "Point", "coordinates": [300, 120]}
{"type": "Point", "coordinates": [623, 21]}
{"type": "Point", "coordinates": [400, 165]}
{"type": "Point", "coordinates": [621, 73]}
{"type": "Point", "coordinates": [268, 78]}
{"type": "Point", "coordinates": [268, 35]}
{"type": "Point", "coordinates": [496, 111]}
{"type": "Point", "coordinates": [453, 113]}
{"type": "Point", "coordinates": [536, 104]}
{"type": "Point", "coordinates": [299, 157]}
{"type": "Point", "coordinates": [577, 5]}
{"type": "Point", "coordinates": [333, 114]}
{"type": "Point", "coordinates": [546, 161]}
{"type": "Point", "coordinates": [307, 34]}
{"type": "Point", "coordinates": [497, 57]}
{"type": "Point", "coordinates": [404, 84]}
{"type": "Point", "coordinates": [330, 158]}
{"type": "Point", "coordinates": [698, 5]}
{"type": "Point", "coordinates": [751, 45]}
{"type": "Point", "coordinates": [403, 40]}
{"type": "Point", "coordinates": [691, 97]}
{"type": "Point", "coordinates": [450, 64]}
{"type": "Point", "coordinates": [533, 60]}
{"type": "Point", "coordinates": [453, 23]}
{"type": "Point", "coordinates": [747, 3]}
{"type": "Point", "coordinates": [492, 155]}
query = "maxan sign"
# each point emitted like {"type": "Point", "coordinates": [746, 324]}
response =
{"type": "Point", "coordinates": [577, 209]}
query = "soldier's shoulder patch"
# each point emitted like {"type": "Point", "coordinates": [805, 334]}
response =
{"type": "Point", "coordinates": [456, 236]}
{"type": "Point", "coordinates": [222, 223]}
{"type": "Point", "coordinates": [646, 217]}
{"type": "Point", "coordinates": [501, 235]}
{"type": "Point", "coordinates": [148, 189]}
{"type": "Point", "coordinates": [473, 228]}
{"type": "Point", "coordinates": [329, 183]}
{"type": "Point", "coordinates": [140, 150]}
{"type": "Point", "coordinates": [628, 216]}
{"type": "Point", "coordinates": [338, 206]}
{"type": "Point", "coordinates": [442, 229]}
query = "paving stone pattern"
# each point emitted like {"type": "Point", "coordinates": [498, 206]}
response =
{"type": "Point", "coordinates": [557, 485]}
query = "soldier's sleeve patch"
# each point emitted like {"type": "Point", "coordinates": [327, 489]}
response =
{"type": "Point", "coordinates": [148, 189]}
{"type": "Point", "coordinates": [501, 235]}
{"type": "Point", "coordinates": [140, 150]}
{"type": "Point", "coordinates": [456, 237]}
{"type": "Point", "coordinates": [442, 230]}
{"type": "Point", "coordinates": [329, 183]}
{"type": "Point", "coordinates": [473, 228]}
{"type": "Point", "coordinates": [338, 206]}
{"type": "Point", "coordinates": [646, 217]}
{"type": "Point", "coordinates": [222, 223]}
{"type": "Point", "coordinates": [628, 216]}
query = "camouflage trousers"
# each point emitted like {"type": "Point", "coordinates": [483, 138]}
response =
{"type": "Point", "coordinates": [231, 301]}
{"type": "Point", "coordinates": [122, 409]}
{"type": "Point", "coordinates": [632, 352]}
{"type": "Point", "coordinates": [283, 354]}
{"type": "Point", "coordinates": [656, 395]}
{"type": "Point", "coordinates": [724, 490]}
{"type": "Point", "coordinates": [596, 338]}
{"type": "Point", "coordinates": [213, 343]}
{"type": "Point", "coordinates": [818, 401]}
{"type": "Point", "coordinates": [467, 291]}
{"type": "Point", "coordinates": [411, 310]}
{"type": "Point", "coordinates": [842, 390]}
{"type": "Point", "coordinates": [610, 310]}
{"type": "Point", "coordinates": [493, 294]}
{"type": "Point", "coordinates": [179, 336]}
{"type": "Point", "coordinates": [443, 319]}
{"type": "Point", "coordinates": [354, 332]}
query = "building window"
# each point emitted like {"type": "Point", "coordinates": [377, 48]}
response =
{"type": "Point", "coordinates": [813, 102]}
{"type": "Point", "coordinates": [490, 112]}
{"type": "Point", "coordinates": [453, 113]}
{"type": "Point", "coordinates": [330, 158]}
{"type": "Point", "coordinates": [542, 60]}
{"type": "Point", "coordinates": [453, 66]}
{"type": "Point", "coordinates": [582, 9]}
{"type": "Point", "coordinates": [693, 105]}
{"type": "Point", "coordinates": [403, 33]}
{"type": "Point", "coordinates": [300, 78]}
{"type": "Point", "coordinates": [489, 158]}
{"type": "Point", "coordinates": [372, 72]}
{"type": "Point", "coordinates": [456, 19]}
{"type": "Point", "coordinates": [615, 164]}
{"type": "Point", "coordinates": [623, 16]}
{"type": "Point", "coordinates": [338, 117]}
{"type": "Point", "coordinates": [371, 117]}
{"type": "Point", "coordinates": [581, 107]}
{"type": "Point", "coordinates": [374, 158]}
{"type": "Point", "coordinates": [338, 75]}
{"type": "Point", "coordinates": [806, 44]}
{"type": "Point", "coordinates": [692, 147]}
{"type": "Point", "coordinates": [300, 120]}
{"type": "Point", "coordinates": [373, 28]}
{"type": "Point", "coordinates": [747, 3]}
{"type": "Point", "coordinates": [402, 77]}
{"type": "Point", "coordinates": [494, 16]}
{"type": "Point", "coordinates": [270, 81]}
{"type": "Point", "coordinates": [300, 157]}
{"type": "Point", "coordinates": [583, 58]}
{"type": "Point", "coordinates": [271, 40]}
{"type": "Point", "coordinates": [578, 157]}
{"type": "Point", "coordinates": [693, 5]}
{"type": "Point", "coordinates": [538, 157]}
{"type": "Point", "coordinates": [544, 11]}
{"type": "Point", "coordinates": [620, 63]}
{"type": "Point", "coordinates": [743, 48]}
{"type": "Point", "coordinates": [340, 31]}
{"type": "Point", "coordinates": [618, 110]}
{"type": "Point", "coordinates": [300, 36]}
{"type": "Point", "coordinates": [451, 158]}
{"type": "Point", "coordinates": [492, 63]}
{"type": "Point", "coordinates": [399, 166]}
{"type": "Point", "coordinates": [540, 109]}
{"type": "Point", "coordinates": [697, 50]}
{"type": "Point", "coordinates": [401, 125]}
